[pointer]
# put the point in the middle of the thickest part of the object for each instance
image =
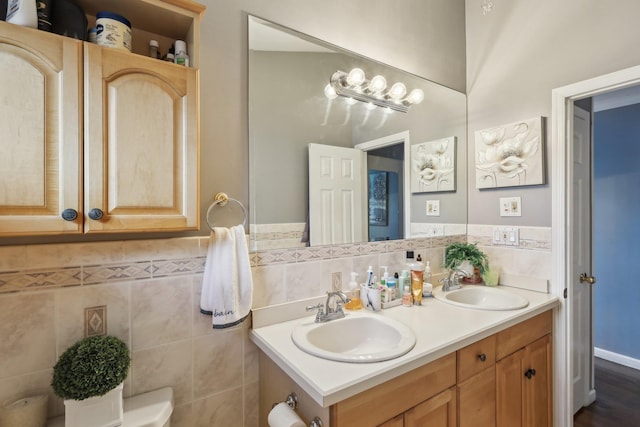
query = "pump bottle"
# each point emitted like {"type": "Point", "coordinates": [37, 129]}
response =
{"type": "Point", "coordinates": [354, 294]}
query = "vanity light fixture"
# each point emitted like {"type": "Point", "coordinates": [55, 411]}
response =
{"type": "Point", "coordinates": [355, 86]}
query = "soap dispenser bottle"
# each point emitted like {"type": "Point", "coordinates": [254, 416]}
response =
{"type": "Point", "coordinates": [354, 294]}
{"type": "Point", "coordinates": [427, 286]}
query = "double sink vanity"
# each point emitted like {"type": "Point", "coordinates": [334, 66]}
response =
{"type": "Point", "coordinates": [475, 356]}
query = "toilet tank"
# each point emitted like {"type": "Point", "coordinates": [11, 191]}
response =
{"type": "Point", "coordinates": [152, 409]}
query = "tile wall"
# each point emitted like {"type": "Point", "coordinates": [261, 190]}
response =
{"type": "Point", "coordinates": [152, 291]}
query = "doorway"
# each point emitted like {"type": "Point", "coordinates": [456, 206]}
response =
{"type": "Point", "coordinates": [565, 278]}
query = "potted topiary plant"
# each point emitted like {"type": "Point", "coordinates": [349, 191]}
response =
{"type": "Point", "coordinates": [456, 254]}
{"type": "Point", "coordinates": [89, 375]}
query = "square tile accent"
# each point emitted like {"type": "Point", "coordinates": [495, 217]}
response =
{"type": "Point", "coordinates": [95, 321]}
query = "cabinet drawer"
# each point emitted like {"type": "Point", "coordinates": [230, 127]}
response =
{"type": "Point", "coordinates": [518, 336]}
{"type": "Point", "coordinates": [476, 357]}
{"type": "Point", "coordinates": [379, 404]}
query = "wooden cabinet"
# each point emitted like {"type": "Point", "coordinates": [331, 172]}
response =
{"type": "Point", "coordinates": [103, 134]}
{"type": "Point", "coordinates": [141, 143]}
{"type": "Point", "coordinates": [476, 389]}
{"type": "Point", "coordinates": [524, 377]}
{"type": "Point", "coordinates": [40, 131]}
{"type": "Point", "coordinates": [524, 386]}
{"type": "Point", "coordinates": [427, 391]}
{"type": "Point", "coordinates": [501, 380]}
{"type": "Point", "coordinates": [438, 411]}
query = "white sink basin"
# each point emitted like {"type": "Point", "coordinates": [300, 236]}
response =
{"type": "Point", "coordinates": [483, 298]}
{"type": "Point", "coordinates": [356, 338]}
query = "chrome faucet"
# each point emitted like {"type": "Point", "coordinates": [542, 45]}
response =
{"type": "Point", "coordinates": [453, 281]}
{"type": "Point", "coordinates": [331, 309]}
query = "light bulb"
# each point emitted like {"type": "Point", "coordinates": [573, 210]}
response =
{"type": "Point", "coordinates": [416, 96]}
{"type": "Point", "coordinates": [355, 77]}
{"type": "Point", "coordinates": [330, 92]}
{"type": "Point", "coordinates": [370, 106]}
{"type": "Point", "coordinates": [398, 90]}
{"type": "Point", "coordinates": [377, 84]}
{"type": "Point", "coordinates": [351, 101]}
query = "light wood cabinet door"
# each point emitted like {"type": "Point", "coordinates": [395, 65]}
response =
{"type": "Point", "coordinates": [439, 411]}
{"type": "Point", "coordinates": [537, 384]}
{"type": "Point", "coordinates": [141, 143]}
{"type": "Point", "coordinates": [395, 422]}
{"type": "Point", "coordinates": [477, 399]}
{"type": "Point", "coordinates": [523, 381]}
{"type": "Point", "coordinates": [509, 396]}
{"type": "Point", "coordinates": [40, 131]}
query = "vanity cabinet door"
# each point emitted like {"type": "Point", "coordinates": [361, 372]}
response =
{"type": "Point", "coordinates": [439, 411]}
{"type": "Point", "coordinates": [40, 132]}
{"type": "Point", "coordinates": [524, 386]}
{"type": "Point", "coordinates": [141, 143]}
{"type": "Point", "coordinates": [477, 399]}
{"type": "Point", "coordinates": [395, 422]}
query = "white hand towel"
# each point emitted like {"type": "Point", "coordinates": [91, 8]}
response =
{"type": "Point", "coordinates": [227, 286]}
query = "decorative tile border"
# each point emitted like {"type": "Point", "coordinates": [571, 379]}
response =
{"type": "Point", "coordinates": [37, 280]}
{"type": "Point", "coordinates": [83, 275]}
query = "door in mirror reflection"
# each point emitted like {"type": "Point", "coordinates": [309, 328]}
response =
{"type": "Point", "coordinates": [336, 208]}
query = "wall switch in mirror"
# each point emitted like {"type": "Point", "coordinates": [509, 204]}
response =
{"type": "Point", "coordinates": [433, 207]}
{"type": "Point", "coordinates": [336, 281]}
{"type": "Point", "coordinates": [510, 206]}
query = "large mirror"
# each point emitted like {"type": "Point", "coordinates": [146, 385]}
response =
{"type": "Point", "coordinates": [332, 169]}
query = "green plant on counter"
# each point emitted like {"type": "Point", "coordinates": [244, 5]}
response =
{"type": "Point", "coordinates": [91, 367]}
{"type": "Point", "coordinates": [457, 253]}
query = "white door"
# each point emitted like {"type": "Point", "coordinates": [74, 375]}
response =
{"type": "Point", "coordinates": [582, 345]}
{"type": "Point", "coordinates": [336, 186]}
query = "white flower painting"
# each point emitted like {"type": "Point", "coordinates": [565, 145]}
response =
{"type": "Point", "coordinates": [510, 155]}
{"type": "Point", "coordinates": [433, 166]}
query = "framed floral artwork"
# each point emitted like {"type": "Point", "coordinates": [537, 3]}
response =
{"type": "Point", "coordinates": [433, 166]}
{"type": "Point", "coordinates": [510, 155]}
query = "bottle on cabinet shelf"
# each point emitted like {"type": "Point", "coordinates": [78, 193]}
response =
{"type": "Point", "coordinates": [181, 57]}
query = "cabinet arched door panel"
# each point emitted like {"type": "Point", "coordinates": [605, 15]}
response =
{"type": "Point", "coordinates": [40, 132]}
{"type": "Point", "coordinates": [141, 143]}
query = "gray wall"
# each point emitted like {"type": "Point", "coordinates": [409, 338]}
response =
{"type": "Point", "coordinates": [521, 51]}
{"type": "Point", "coordinates": [425, 37]}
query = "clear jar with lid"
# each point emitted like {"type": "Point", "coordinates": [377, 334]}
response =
{"type": "Point", "coordinates": [154, 49]}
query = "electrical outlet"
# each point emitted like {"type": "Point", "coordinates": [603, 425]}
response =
{"type": "Point", "coordinates": [95, 321]}
{"type": "Point", "coordinates": [336, 281]}
{"type": "Point", "coordinates": [433, 208]}
{"type": "Point", "coordinates": [510, 206]}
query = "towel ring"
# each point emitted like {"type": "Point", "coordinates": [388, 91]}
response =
{"type": "Point", "coordinates": [220, 202]}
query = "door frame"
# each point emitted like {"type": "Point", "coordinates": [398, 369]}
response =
{"type": "Point", "coordinates": [562, 250]}
{"type": "Point", "coordinates": [385, 141]}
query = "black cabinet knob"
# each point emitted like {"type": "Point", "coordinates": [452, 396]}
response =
{"type": "Point", "coordinates": [530, 373]}
{"type": "Point", "coordinates": [482, 357]}
{"type": "Point", "coordinates": [69, 214]}
{"type": "Point", "coordinates": [96, 214]}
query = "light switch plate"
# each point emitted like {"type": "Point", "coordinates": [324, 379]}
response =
{"type": "Point", "coordinates": [433, 207]}
{"type": "Point", "coordinates": [510, 206]}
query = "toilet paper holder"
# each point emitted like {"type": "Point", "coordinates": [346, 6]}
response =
{"type": "Point", "coordinates": [292, 402]}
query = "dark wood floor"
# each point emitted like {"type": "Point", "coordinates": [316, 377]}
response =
{"type": "Point", "coordinates": [617, 398]}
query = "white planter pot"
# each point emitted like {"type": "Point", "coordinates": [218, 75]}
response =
{"type": "Point", "coordinates": [100, 411]}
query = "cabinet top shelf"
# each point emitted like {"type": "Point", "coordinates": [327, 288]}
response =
{"type": "Point", "coordinates": [172, 18]}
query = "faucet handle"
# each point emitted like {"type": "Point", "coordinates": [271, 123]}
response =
{"type": "Point", "coordinates": [314, 307]}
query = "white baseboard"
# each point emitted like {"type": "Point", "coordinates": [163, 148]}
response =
{"type": "Point", "coordinates": [620, 359]}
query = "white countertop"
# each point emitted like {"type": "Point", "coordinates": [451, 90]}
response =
{"type": "Point", "coordinates": [440, 329]}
